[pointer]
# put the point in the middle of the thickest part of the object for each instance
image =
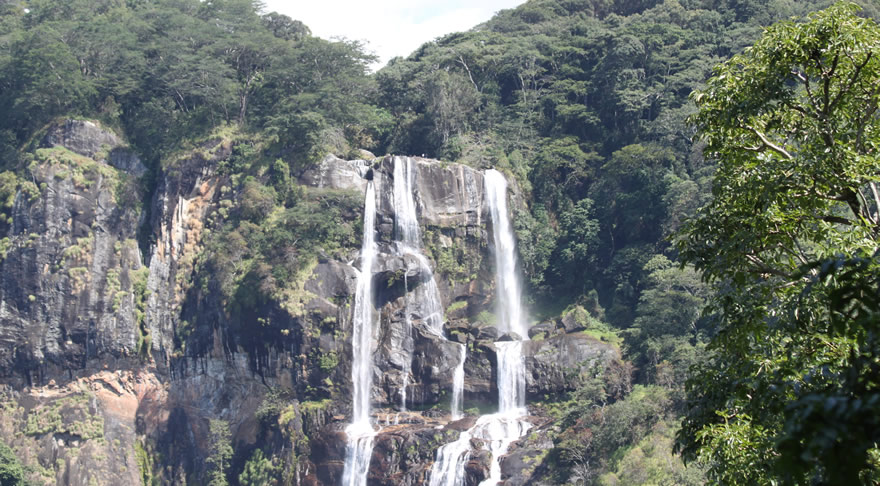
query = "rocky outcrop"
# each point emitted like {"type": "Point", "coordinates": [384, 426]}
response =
{"type": "Point", "coordinates": [187, 193]}
{"type": "Point", "coordinates": [403, 454]}
{"type": "Point", "coordinates": [69, 291]}
{"type": "Point", "coordinates": [137, 355]}
{"type": "Point", "coordinates": [84, 431]}
{"type": "Point", "coordinates": [335, 173]}
{"type": "Point", "coordinates": [555, 365]}
{"type": "Point", "coordinates": [447, 196]}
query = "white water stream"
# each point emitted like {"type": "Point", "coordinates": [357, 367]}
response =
{"type": "Point", "coordinates": [408, 241]}
{"type": "Point", "coordinates": [506, 279]}
{"type": "Point", "coordinates": [458, 385]}
{"type": "Point", "coordinates": [360, 432]}
{"type": "Point", "coordinates": [425, 296]}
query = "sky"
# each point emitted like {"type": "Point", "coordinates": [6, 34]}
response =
{"type": "Point", "coordinates": [389, 28]}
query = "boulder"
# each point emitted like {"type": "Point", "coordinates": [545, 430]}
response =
{"type": "Point", "coordinates": [393, 269]}
{"type": "Point", "coordinates": [551, 363]}
{"type": "Point", "coordinates": [542, 329]}
{"type": "Point", "coordinates": [526, 459]}
{"type": "Point", "coordinates": [486, 333]}
{"type": "Point", "coordinates": [509, 336]}
{"type": "Point", "coordinates": [575, 319]}
{"type": "Point", "coordinates": [335, 173]}
{"type": "Point", "coordinates": [332, 280]}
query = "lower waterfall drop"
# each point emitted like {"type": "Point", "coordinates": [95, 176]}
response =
{"type": "Point", "coordinates": [360, 432]}
{"type": "Point", "coordinates": [448, 468]}
{"type": "Point", "coordinates": [458, 385]}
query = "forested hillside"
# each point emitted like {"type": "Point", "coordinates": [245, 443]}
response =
{"type": "Point", "coordinates": [198, 132]}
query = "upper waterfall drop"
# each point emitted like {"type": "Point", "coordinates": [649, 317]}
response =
{"type": "Point", "coordinates": [509, 294]}
{"type": "Point", "coordinates": [408, 241]}
{"type": "Point", "coordinates": [406, 222]}
{"type": "Point", "coordinates": [360, 432]}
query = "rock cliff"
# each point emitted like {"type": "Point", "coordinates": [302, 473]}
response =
{"type": "Point", "coordinates": [119, 350]}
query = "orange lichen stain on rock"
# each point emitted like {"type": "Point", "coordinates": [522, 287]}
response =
{"type": "Point", "coordinates": [121, 394]}
{"type": "Point", "coordinates": [189, 225]}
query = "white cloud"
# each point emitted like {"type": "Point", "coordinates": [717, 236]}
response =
{"type": "Point", "coordinates": [389, 28]}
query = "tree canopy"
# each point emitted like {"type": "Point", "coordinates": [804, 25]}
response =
{"type": "Point", "coordinates": [160, 69]}
{"type": "Point", "coordinates": [790, 238]}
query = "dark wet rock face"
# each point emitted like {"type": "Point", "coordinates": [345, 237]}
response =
{"type": "Point", "coordinates": [67, 294]}
{"type": "Point", "coordinates": [524, 462]}
{"type": "Point", "coordinates": [402, 455]}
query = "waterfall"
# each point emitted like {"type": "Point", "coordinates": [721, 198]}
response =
{"type": "Point", "coordinates": [497, 430]}
{"type": "Point", "coordinates": [506, 426]}
{"type": "Point", "coordinates": [425, 297]}
{"type": "Point", "coordinates": [408, 241]}
{"type": "Point", "coordinates": [360, 432]}
{"type": "Point", "coordinates": [458, 384]}
{"type": "Point", "coordinates": [511, 378]}
{"type": "Point", "coordinates": [448, 468]}
{"type": "Point", "coordinates": [508, 293]}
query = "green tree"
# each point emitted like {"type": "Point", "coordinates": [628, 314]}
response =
{"type": "Point", "coordinates": [791, 239]}
{"type": "Point", "coordinates": [258, 471]}
{"type": "Point", "coordinates": [11, 471]}
{"type": "Point", "coordinates": [578, 244]}
{"type": "Point", "coordinates": [221, 452]}
{"type": "Point", "coordinates": [45, 80]}
{"type": "Point", "coordinates": [667, 333]}
{"type": "Point", "coordinates": [245, 44]}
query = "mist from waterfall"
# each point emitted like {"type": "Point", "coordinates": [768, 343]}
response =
{"type": "Point", "coordinates": [359, 447]}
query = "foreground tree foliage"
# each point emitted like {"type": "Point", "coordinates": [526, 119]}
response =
{"type": "Point", "coordinates": [792, 394]}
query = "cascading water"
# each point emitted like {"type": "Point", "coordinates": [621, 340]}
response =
{"type": "Point", "coordinates": [511, 378]}
{"type": "Point", "coordinates": [509, 293]}
{"type": "Point", "coordinates": [500, 429]}
{"type": "Point", "coordinates": [448, 468]}
{"type": "Point", "coordinates": [506, 426]}
{"type": "Point", "coordinates": [458, 384]}
{"type": "Point", "coordinates": [408, 241]}
{"type": "Point", "coordinates": [425, 296]}
{"type": "Point", "coordinates": [360, 432]}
